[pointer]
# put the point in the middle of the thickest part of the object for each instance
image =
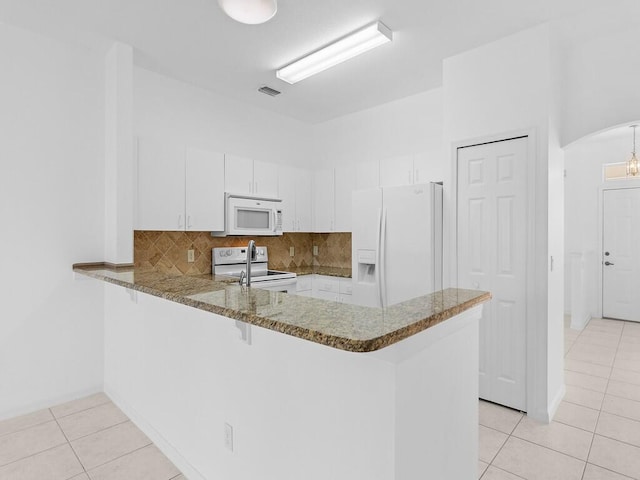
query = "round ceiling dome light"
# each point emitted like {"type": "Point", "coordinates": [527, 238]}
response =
{"type": "Point", "coordinates": [251, 12]}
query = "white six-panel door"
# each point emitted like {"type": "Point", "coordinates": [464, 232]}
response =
{"type": "Point", "coordinates": [492, 253]}
{"type": "Point", "coordinates": [621, 254]}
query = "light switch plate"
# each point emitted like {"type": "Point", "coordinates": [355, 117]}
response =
{"type": "Point", "coordinates": [190, 256]}
{"type": "Point", "coordinates": [315, 250]}
{"type": "Point", "coordinates": [292, 251]}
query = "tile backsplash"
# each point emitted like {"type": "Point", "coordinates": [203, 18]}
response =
{"type": "Point", "coordinates": [167, 251]}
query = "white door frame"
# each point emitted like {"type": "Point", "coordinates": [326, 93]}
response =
{"type": "Point", "coordinates": [621, 184]}
{"type": "Point", "coordinates": [533, 331]}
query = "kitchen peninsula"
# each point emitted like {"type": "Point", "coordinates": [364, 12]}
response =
{"type": "Point", "coordinates": [349, 392]}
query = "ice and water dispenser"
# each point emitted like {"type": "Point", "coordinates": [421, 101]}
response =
{"type": "Point", "coordinates": [366, 266]}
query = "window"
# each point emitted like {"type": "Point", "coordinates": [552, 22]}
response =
{"type": "Point", "coordinates": [614, 171]}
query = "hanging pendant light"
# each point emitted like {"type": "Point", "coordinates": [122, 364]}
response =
{"type": "Point", "coordinates": [251, 12]}
{"type": "Point", "coordinates": [633, 168]}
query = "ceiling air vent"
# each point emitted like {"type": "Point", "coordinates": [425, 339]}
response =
{"type": "Point", "coordinates": [269, 91]}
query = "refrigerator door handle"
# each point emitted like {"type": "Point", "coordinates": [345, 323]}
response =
{"type": "Point", "coordinates": [378, 259]}
{"type": "Point", "coordinates": [383, 253]}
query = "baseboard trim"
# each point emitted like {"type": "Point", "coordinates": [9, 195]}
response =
{"type": "Point", "coordinates": [49, 402]}
{"type": "Point", "coordinates": [555, 403]}
{"type": "Point", "coordinates": [182, 464]}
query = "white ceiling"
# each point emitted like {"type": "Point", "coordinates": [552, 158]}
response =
{"type": "Point", "coordinates": [194, 41]}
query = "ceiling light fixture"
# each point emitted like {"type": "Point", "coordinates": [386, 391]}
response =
{"type": "Point", "coordinates": [250, 12]}
{"type": "Point", "coordinates": [632, 164]}
{"type": "Point", "coordinates": [337, 52]}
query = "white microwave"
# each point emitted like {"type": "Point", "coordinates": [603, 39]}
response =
{"type": "Point", "coordinates": [251, 216]}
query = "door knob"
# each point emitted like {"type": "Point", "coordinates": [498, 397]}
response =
{"type": "Point", "coordinates": [606, 254]}
{"type": "Point", "coordinates": [608, 263]}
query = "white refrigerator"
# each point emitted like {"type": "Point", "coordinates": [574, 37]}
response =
{"type": "Point", "coordinates": [396, 243]}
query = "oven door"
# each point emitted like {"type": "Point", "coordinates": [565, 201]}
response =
{"type": "Point", "coordinates": [286, 285]}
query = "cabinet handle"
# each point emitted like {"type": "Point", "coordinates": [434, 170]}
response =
{"type": "Point", "coordinates": [256, 187]}
{"type": "Point", "coordinates": [417, 176]}
{"type": "Point", "coordinates": [189, 221]}
{"type": "Point", "coordinates": [179, 221]}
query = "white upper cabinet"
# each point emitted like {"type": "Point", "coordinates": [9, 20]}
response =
{"type": "Point", "coordinates": [287, 190]}
{"type": "Point", "coordinates": [238, 174]}
{"type": "Point", "coordinates": [250, 177]}
{"type": "Point", "coordinates": [204, 196]}
{"type": "Point", "coordinates": [367, 175]}
{"type": "Point", "coordinates": [323, 200]}
{"type": "Point", "coordinates": [304, 187]}
{"type": "Point", "coordinates": [332, 189]}
{"type": "Point", "coordinates": [411, 169]}
{"type": "Point", "coordinates": [345, 184]}
{"type": "Point", "coordinates": [265, 179]}
{"type": "Point", "coordinates": [161, 186]}
{"type": "Point", "coordinates": [428, 167]}
{"type": "Point", "coordinates": [396, 171]}
{"type": "Point", "coordinates": [295, 186]}
{"type": "Point", "coordinates": [179, 188]}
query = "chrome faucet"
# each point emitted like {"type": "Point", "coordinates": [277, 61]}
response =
{"type": "Point", "coordinates": [251, 255]}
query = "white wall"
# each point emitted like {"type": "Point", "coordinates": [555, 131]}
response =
{"type": "Point", "coordinates": [412, 125]}
{"type": "Point", "coordinates": [174, 110]}
{"type": "Point", "coordinates": [52, 206]}
{"type": "Point", "coordinates": [584, 161]}
{"type": "Point", "coordinates": [601, 72]}
{"type": "Point", "coordinates": [492, 92]}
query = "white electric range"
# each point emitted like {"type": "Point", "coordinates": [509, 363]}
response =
{"type": "Point", "coordinates": [232, 262]}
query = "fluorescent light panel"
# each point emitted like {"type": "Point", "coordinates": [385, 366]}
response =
{"type": "Point", "coordinates": [347, 47]}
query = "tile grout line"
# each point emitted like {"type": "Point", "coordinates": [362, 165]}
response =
{"type": "Point", "coordinates": [71, 446]}
{"type": "Point", "coordinates": [32, 455]}
{"type": "Point", "coordinates": [601, 405]}
{"type": "Point", "coordinates": [78, 411]}
{"type": "Point", "coordinates": [593, 434]}
{"type": "Point", "coordinates": [122, 456]}
{"type": "Point", "coordinates": [101, 430]}
{"type": "Point", "coordinates": [30, 426]}
{"type": "Point", "coordinates": [502, 446]}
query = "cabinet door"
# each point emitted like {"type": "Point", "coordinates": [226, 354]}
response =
{"type": "Point", "coordinates": [367, 175]}
{"type": "Point", "coordinates": [428, 167]}
{"type": "Point", "coordinates": [396, 171]}
{"type": "Point", "coordinates": [287, 190]}
{"type": "Point", "coordinates": [345, 181]}
{"type": "Point", "coordinates": [238, 175]}
{"type": "Point", "coordinates": [265, 179]}
{"type": "Point", "coordinates": [160, 186]}
{"type": "Point", "coordinates": [304, 189]}
{"type": "Point", "coordinates": [204, 190]}
{"type": "Point", "coordinates": [323, 205]}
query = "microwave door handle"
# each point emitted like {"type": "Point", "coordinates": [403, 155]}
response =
{"type": "Point", "coordinates": [275, 224]}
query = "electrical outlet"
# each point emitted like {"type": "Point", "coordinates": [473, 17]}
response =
{"type": "Point", "coordinates": [228, 437]}
{"type": "Point", "coordinates": [315, 250]}
{"type": "Point", "coordinates": [191, 256]}
{"type": "Point", "coordinates": [292, 251]}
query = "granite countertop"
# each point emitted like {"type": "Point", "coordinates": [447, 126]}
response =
{"type": "Point", "coordinates": [319, 270]}
{"type": "Point", "coordinates": [338, 325]}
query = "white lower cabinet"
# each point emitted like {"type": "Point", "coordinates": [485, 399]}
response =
{"type": "Point", "coordinates": [330, 288]}
{"type": "Point", "coordinates": [304, 285]}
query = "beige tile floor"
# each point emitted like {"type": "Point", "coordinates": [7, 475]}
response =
{"type": "Point", "coordinates": [595, 434]}
{"type": "Point", "coordinates": [86, 439]}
